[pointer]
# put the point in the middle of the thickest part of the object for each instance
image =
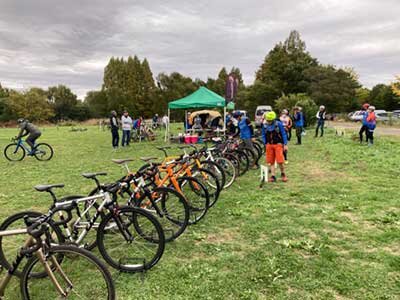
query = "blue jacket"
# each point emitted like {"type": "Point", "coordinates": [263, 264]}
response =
{"type": "Point", "coordinates": [299, 119]}
{"type": "Point", "coordinates": [245, 130]}
{"type": "Point", "coordinates": [274, 133]}
{"type": "Point", "coordinates": [364, 118]}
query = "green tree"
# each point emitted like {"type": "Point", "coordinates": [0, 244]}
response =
{"type": "Point", "coordinates": [63, 101]}
{"type": "Point", "coordinates": [283, 68]}
{"type": "Point", "coordinates": [32, 105]}
{"type": "Point", "coordinates": [334, 88]}
{"type": "Point", "coordinates": [383, 97]}
{"type": "Point", "coordinates": [97, 103]}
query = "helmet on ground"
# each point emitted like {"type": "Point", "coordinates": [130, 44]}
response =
{"type": "Point", "coordinates": [21, 120]}
{"type": "Point", "coordinates": [270, 116]}
{"type": "Point", "coordinates": [365, 105]}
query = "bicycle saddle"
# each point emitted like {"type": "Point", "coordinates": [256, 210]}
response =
{"type": "Point", "coordinates": [121, 161]}
{"type": "Point", "coordinates": [93, 175]}
{"type": "Point", "coordinates": [147, 159]}
{"type": "Point", "coordinates": [48, 187]}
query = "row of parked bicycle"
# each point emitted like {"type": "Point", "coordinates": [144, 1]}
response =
{"type": "Point", "coordinates": [129, 221]}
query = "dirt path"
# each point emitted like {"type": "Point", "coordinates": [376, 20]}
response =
{"type": "Point", "coordinates": [380, 130]}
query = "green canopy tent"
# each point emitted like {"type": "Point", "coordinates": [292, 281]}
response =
{"type": "Point", "coordinates": [202, 98]}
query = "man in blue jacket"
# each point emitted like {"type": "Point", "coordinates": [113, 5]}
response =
{"type": "Point", "coordinates": [246, 131]}
{"type": "Point", "coordinates": [298, 123]}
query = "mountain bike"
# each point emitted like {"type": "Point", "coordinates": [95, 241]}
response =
{"type": "Point", "coordinates": [129, 238]}
{"type": "Point", "coordinates": [56, 272]}
{"type": "Point", "coordinates": [17, 150]}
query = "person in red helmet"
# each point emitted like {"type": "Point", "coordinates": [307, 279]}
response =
{"type": "Point", "coordinates": [364, 127]}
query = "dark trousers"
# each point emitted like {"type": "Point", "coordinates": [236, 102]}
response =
{"type": "Point", "coordinates": [289, 133]}
{"type": "Point", "coordinates": [32, 138]}
{"type": "Point", "coordinates": [299, 131]}
{"type": "Point", "coordinates": [321, 124]}
{"type": "Point", "coordinates": [115, 137]}
{"type": "Point", "coordinates": [126, 136]}
{"type": "Point", "coordinates": [370, 135]}
{"type": "Point", "coordinates": [362, 130]}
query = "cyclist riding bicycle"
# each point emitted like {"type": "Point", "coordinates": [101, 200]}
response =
{"type": "Point", "coordinates": [29, 129]}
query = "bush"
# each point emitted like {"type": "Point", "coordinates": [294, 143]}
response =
{"type": "Point", "coordinates": [304, 101]}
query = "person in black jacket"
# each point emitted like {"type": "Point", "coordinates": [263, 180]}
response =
{"type": "Point", "coordinates": [114, 129]}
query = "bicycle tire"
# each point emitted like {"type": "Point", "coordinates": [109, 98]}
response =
{"type": "Point", "coordinates": [234, 160]}
{"type": "Point", "coordinates": [210, 181]}
{"type": "Point", "coordinates": [229, 170]}
{"type": "Point", "coordinates": [39, 289]}
{"type": "Point", "coordinates": [192, 187]}
{"type": "Point", "coordinates": [243, 160]}
{"type": "Point", "coordinates": [168, 221]}
{"type": "Point", "coordinates": [4, 261]}
{"type": "Point", "coordinates": [10, 147]}
{"type": "Point", "coordinates": [115, 231]}
{"type": "Point", "coordinates": [216, 169]}
{"type": "Point", "coordinates": [39, 153]}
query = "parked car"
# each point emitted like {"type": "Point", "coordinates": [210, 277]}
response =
{"type": "Point", "coordinates": [260, 111]}
{"type": "Point", "coordinates": [381, 115]}
{"type": "Point", "coordinates": [356, 116]}
{"type": "Point", "coordinates": [396, 113]}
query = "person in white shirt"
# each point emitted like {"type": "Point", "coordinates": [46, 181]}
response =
{"type": "Point", "coordinates": [127, 123]}
{"type": "Point", "coordinates": [165, 121]}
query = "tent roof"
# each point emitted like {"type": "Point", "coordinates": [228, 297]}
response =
{"type": "Point", "coordinates": [203, 97]}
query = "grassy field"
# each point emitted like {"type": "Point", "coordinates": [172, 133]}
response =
{"type": "Point", "coordinates": [331, 232]}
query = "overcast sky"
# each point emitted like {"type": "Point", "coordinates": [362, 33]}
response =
{"type": "Point", "coordinates": [49, 42]}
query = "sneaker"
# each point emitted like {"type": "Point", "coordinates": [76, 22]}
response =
{"type": "Point", "coordinates": [272, 179]}
{"type": "Point", "coordinates": [284, 178]}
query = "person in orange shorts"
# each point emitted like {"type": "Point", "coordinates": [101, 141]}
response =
{"type": "Point", "coordinates": [275, 139]}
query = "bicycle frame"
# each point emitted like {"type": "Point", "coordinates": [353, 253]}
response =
{"type": "Point", "coordinates": [30, 241]}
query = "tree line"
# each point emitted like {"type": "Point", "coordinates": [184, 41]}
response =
{"type": "Point", "coordinates": [289, 75]}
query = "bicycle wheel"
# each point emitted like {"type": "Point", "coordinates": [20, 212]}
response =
{"type": "Point", "coordinates": [173, 211]}
{"type": "Point", "coordinates": [211, 183]}
{"type": "Point", "coordinates": [251, 155]}
{"type": "Point", "coordinates": [14, 153]}
{"type": "Point", "coordinates": [229, 170]}
{"type": "Point", "coordinates": [131, 240]}
{"type": "Point", "coordinates": [197, 197]}
{"type": "Point", "coordinates": [43, 152]}
{"type": "Point", "coordinates": [216, 169]}
{"type": "Point", "coordinates": [234, 160]}
{"type": "Point", "coordinates": [244, 162]}
{"type": "Point", "coordinates": [9, 245]}
{"type": "Point", "coordinates": [80, 274]}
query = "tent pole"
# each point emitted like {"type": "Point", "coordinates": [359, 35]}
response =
{"type": "Point", "coordinates": [224, 121]}
{"type": "Point", "coordinates": [167, 130]}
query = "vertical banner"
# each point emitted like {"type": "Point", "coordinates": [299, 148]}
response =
{"type": "Point", "coordinates": [231, 87]}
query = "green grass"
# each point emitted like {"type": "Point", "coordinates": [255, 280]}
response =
{"type": "Point", "coordinates": [331, 232]}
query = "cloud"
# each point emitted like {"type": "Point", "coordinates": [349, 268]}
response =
{"type": "Point", "coordinates": [44, 43]}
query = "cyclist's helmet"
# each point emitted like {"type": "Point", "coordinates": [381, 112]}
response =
{"type": "Point", "coordinates": [365, 106]}
{"type": "Point", "coordinates": [237, 114]}
{"type": "Point", "coordinates": [270, 116]}
{"type": "Point", "coordinates": [285, 111]}
{"type": "Point", "coordinates": [21, 120]}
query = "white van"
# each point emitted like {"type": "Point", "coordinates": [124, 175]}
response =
{"type": "Point", "coordinates": [260, 110]}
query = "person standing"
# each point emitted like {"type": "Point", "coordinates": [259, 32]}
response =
{"type": "Point", "coordinates": [364, 128]}
{"type": "Point", "coordinates": [114, 129]}
{"type": "Point", "coordinates": [246, 132]}
{"type": "Point", "coordinates": [287, 125]}
{"type": "Point", "coordinates": [321, 117]}
{"type": "Point", "coordinates": [298, 123]}
{"type": "Point", "coordinates": [371, 125]}
{"type": "Point", "coordinates": [127, 124]}
{"type": "Point", "coordinates": [275, 140]}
